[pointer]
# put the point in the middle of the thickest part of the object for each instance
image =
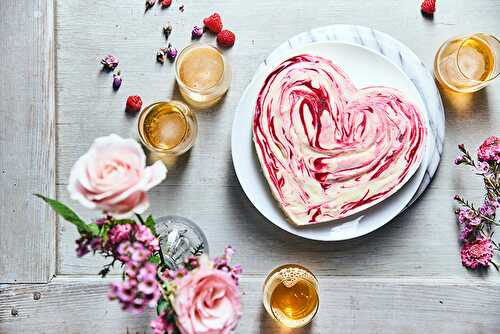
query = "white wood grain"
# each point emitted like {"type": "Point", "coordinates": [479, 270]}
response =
{"type": "Point", "coordinates": [202, 184]}
{"type": "Point", "coordinates": [27, 140]}
{"type": "Point", "coordinates": [347, 305]}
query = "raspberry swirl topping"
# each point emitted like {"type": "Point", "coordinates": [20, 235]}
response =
{"type": "Point", "coordinates": [328, 149]}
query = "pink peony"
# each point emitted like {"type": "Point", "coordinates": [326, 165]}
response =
{"type": "Point", "coordinates": [207, 302]}
{"type": "Point", "coordinates": [112, 176]}
{"type": "Point", "coordinates": [477, 253]}
{"type": "Point", "coordinates": [489, 151]}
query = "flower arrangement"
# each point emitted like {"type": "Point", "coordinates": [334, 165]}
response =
{"type": "Point", "coordinates": [477, 224]}
{"type": "Point", "coordinates": [202, 296]}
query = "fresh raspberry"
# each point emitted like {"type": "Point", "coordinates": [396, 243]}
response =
{"type": "Point", "coordinates": [428, 7]}
{"type": "Point", "coordinates": [166, 3]}
{"type": "Point", "coordinates": [213, 23]}
{"type": "Point", "coordinates": [134, 103]}
{"type": "Point", "coordinates": [226, 38]}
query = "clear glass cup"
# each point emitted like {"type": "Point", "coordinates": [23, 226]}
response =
{"type": "Point", "coordinates": [167, 128]}
{"type": "Point", "coordinates": [291, 295]}
{"type": "Point", "coordinates": [468, 63]}
{"type": "Point", "coordinates": [203, 74]}
{"type": "Point", "coordinates": [179, 238]}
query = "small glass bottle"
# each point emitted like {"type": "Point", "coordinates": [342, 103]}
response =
{"type": "Point", "coordinates": [203, 74]}
{"type": "Point", "coordinates": [167, 128]}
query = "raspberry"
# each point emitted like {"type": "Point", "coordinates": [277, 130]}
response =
{"type": "Point", "coordinates": [213, 23]}
{"type": "Point", "coordinates": [226, 38]}
{"type": "Point", "coordinates": [428, 7]}
{"type": "Point", "coordinates": [134, 103]}
{"type": "Point", "coordinates": [166, 3]}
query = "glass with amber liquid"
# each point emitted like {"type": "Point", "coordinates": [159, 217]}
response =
{"type": "Point", "coordinates": [291, 295]}
{"type": "Point", "coordinates": [468, 63]}
{"type": "Point", "coordinates": [203, 75]}
{"type": "Point", "coordinates": [167, 128]}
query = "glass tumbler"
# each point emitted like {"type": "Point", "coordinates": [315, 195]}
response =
{"type": "Point", "coordinates": [468, 63]}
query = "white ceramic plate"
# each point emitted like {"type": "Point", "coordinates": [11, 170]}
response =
{"type": "Point", "coordinates": [365, 68]}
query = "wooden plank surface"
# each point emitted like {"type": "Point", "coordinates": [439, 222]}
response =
{"type": "Point", "coordinates": [348, 305]}
{"type": "Point", "coordinates": [27, 140]}
{"type": "Point", "coordinates": [202, 184]}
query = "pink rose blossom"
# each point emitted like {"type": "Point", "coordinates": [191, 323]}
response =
{"type": "Point", "coordinates": [207, 302]}
{"type": "Point", "coordinates": [477, 253]}
{"type": "Point", "coordinates": [489, 150]}
{"type": "Point", "coordinates": [112, 176]}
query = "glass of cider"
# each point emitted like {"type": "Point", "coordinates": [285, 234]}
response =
{"type": "Point", "coordinates": [291, 295]}
{"type": "Point", "coordinates": [466, 64]}
{"type": "Point", "coordinates": [203, 74]}
{"type": "Point", "coordinates": [167, 128]}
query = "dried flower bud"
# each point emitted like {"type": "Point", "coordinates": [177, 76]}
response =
{"type": "Point", "coordinates": [171, 52]}
{"type": "Point", "coordinates": [457, 198]}
{"type": "Point", "coordinates": [110, 62]}
{"type": "Point", "coordinates": [160, 56]}
{"type": "Point", "coordinates": [197, 32]}
{"type": "Point", "coordinates": [167, 30]}
{"type": "Point", "coordinates": [117, 81]}
{"type": "Point", "coordinates": [461, 147]}
{"type": "Point", "coordinates": [181, 8]}
{"type": "Point", "coordinates": [149, 4]}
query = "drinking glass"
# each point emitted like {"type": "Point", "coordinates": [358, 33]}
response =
{"type": "Point", "coordinates": [468, 63]}
{"type": "Point", "coordinates": [179, 238]}
{"type": "Point", "coordinates": [167, 128]}
{"type": "Point", "coordinates": [203, 74]}
{"type": "Point", "coordinates": [291, 295]}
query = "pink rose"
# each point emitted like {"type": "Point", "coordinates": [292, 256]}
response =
{"type": "Point", "coordinates": [112, 176]}
{"type": "Point", "coordinates": [207, 302]}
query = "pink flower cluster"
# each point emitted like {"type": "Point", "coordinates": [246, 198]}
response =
{"type": "Point", "coordinates": [468, 221]}
{"type": "Point", "coordinates": [477, 253]}
{"type": "Point", "coordinates": [477, 224]}
{"type": "Point", "coordinates": [133, 245]}
{"type": "Point", "coordinates": [489, 151]}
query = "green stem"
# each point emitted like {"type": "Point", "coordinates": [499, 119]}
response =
{"type": "Point", "coordinates": [140, 218]}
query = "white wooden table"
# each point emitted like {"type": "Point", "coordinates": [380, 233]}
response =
{"type": "Point", "coordinates": [404, 278]}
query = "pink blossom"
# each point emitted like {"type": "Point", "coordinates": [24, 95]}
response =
{"type": "Point", "coordinates": [477, 253]}
{"type": "Point", "coordinates": [112, 176]}
{"type": "Point", "coordinates": [489, 151]}
{"type": "Point", "coordinates": [144, 235]}
{"type": "Point", "coordinates": [160, 325]}
{"type": "Point", "coordinates": [466, 231]}
{"type": "Point", "coordinates": [483, 167]}
{"type": "Point", "coordinates": [119, 233]}
{"type": "Point", "coordinates": [459, 159]}
{"type": "Point", "coordinates": [207, 302]}
{"type": "Point", "coordinates": [137, 291]}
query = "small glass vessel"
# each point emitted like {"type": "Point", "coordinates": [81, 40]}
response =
{"type": "Point", "coordinates": [291, 295]}
{"type": "Point", "coordinates": [468, 63]}
{"type": "Point", "coordinates": [167, 128]}
{"type": "Point", "coordinates": [179, 238]}
{"type": "Point", "coordinates": [203, 74]}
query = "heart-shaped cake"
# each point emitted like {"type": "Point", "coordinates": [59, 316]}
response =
{"type": "Point", "coordinates": [328, 149]}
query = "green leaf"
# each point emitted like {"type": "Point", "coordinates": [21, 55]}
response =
{"type": "Point", "coordinates": [154, 259]}
{"type": "Point", "coordinates": [150, 223]}
{"type": "Point", "coordinates": [162, 305]}
{"type": "Point", "coordinates": [65, 212]}
{"type": "Point", "coordinates": [93, 228]}
{"type": "Point", "coordinates": [123, 221]}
